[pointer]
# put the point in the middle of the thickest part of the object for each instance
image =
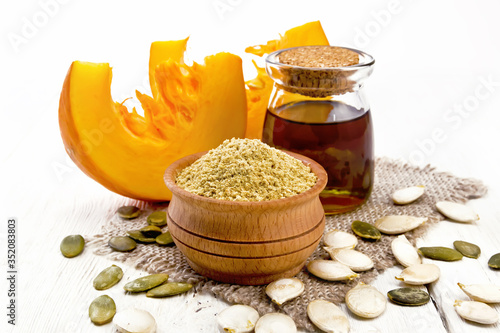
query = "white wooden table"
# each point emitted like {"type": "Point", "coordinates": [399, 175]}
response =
{"type": "Point", "coordinates": [430, 65]}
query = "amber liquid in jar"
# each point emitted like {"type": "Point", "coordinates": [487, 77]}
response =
{"type": "Point", "coordinates": [336, 135]}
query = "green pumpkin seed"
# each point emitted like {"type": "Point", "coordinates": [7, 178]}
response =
{"type": "Point", "coordinates": [467, 249]}
{"type": "Point", "coordinates": [409, 296]}
{"type": "Point", "coordinates": [165, 238]}
{"type": "Point", "coordinates": [494, 261]}
{"type": "Point", "coordinates": [102, 310]}
{"type": "Point", "coordinates": [169, 289]}
{"type": "Point", "coordinates": [122, 243]}
{"type": "Point", "coordinates": [128, 212]}
{"type": "Point", "coordinates": [151, 231]}
{"type": "Point", "coordinates": [365, 230]}
{"type": "Point", "coordinates": [108, 278]}
{"type": "Point", "coordinates": [72, 245]}
{"type": "Point", "coordinates": [145, 283]}
{"type": "Point", "coordinates": [158, 219]}
{"type": "Point", "coordinates": [440, 253]}
{"type": "Point", "coordinates": [139, 237]}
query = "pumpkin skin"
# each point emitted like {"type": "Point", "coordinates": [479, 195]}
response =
{"type": "Point", "coordinates": [259, 89]}
{"type": "Point", "coordinates": [195, 108]}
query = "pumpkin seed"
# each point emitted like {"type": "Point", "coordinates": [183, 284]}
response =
{"type": "Point", "coordinates": [409, 296]}
{"type": "Point", "coordinates": [355, 260]}
{"type": "Point", "coordinates": [365, 301]}
{"type": "Point", "coordinates": [420, 274]}
{"type": "Point", "coordinates": [122, 243]}
{"type": "Point", "coordinates": [440, 253]}
{"type": "Point", "coordinates": [165, 238]}
{"type": "Point", "coordinates": [151, 231]}
{"type": "Point", "coordinates": [72, 245]}
{"type": "Point", "coordinates": [398, 224]}
{"type": "Point", "coordinates": [494, 261]}
{"type": "Point", "coordinates": [476, 311]}
{"type": "Point", "coordinates": [169, 289]}
{"type": "Point", "coordinates": [365, 230]}
{"type": "Point", "coordinates": [102, 310]}
{"type": "Point", "coordinates": [108, 277]}
{"type": "Point", "coordinates": [404, 252]}
{"type": "Point", "coordinates": [327, 316]}
{"type": "Point", "coordinates": [486, 293]}
{"type": "Point", "coordinates": [128, 212]}
{"type": "Point", "coordinates": [330, 270]}
{"type": "Point", "coordinates": [337, 239]}
{"type": "Point", "coordinates": [408, 195]}
{"type": "Point", "coordinates": [145, 283]}
{"type": "Point", "coordinates": [138, 236]}
{"type": "Point", "coordinates": [283, 290]}
{"type": "Point", "coordinates": [457, 212]}
{"type": "Point", "coordinates": [275, 322]}
{"type": "Point", "coordinates": [238, 319]}
{"type": "Point", "coordinates": [134, 321]}
{"type": "Point", "coordinates": [467, 249]}
{"type": "Point", "coordinates": [158, 219]}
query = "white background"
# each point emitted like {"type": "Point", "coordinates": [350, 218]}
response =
{"type": "Point", "coordinates": [431, 56]}
{"type": "Point", "coordinates": [432, 59]}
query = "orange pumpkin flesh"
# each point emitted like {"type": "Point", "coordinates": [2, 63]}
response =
{"type": "Point", "coordinates": [195, 109]}
{"type": "Point", "coordinates": [259, 89]}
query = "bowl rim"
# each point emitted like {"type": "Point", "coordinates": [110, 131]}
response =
{"type": "Point", "coordinates": [172, 170]}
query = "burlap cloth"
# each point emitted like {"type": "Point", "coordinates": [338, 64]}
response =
{"type": "Point", "coordinates": [389, 176]}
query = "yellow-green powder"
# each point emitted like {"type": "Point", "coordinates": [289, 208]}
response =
{"type": "Point", "coordinates": [246, 170]}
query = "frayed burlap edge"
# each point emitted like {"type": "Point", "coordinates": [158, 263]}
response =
{"type": "Point", "coordinates": [389, 176]}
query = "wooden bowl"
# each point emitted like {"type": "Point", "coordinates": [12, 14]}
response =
{"type": "Point", "coordinates": [241, 242]}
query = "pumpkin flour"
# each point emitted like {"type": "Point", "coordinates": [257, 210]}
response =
{"type": "Point", "coordinates": [246, 170]}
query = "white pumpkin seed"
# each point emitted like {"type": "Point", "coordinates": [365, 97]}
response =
{"type": "Point", "coordinates": [134, 321]}
{"type": "Point", "coordinates": [476, 311]}
{"type": "Point", "coordinates": [275, 323]}
{"type": "Point", "coordinates": [331, 270]}
{"type": "Point", "coordinates": [457, 212]}
{"type": "Point", "coordinates": [355, 260]}
{"type": "Point", "coordinates": [237, 319]}
{"type": "Point", "coordinates": [327, 316]}
{"type": "Point", "coordinates": [408, 195]}
{"type": "Point", "coordinates": [487, 293]}
{"type": "Point", "coordinates": [398, 224]}
{"type": "Point", "coordinates": [283, 290]}
{"type": "Point", "coordinates": [404, 252]}
{"type": "Point", "coordinates": [420, 274]}
{"type": "Point", "coordinates": [337, 239]}
{"type": "Point", "coordinates": [365, 301]}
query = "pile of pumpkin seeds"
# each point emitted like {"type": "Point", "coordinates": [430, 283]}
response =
{"type": "Point", "coordinates": [151, 233]}
{"type": "Point", "coordinates": [103, 308]}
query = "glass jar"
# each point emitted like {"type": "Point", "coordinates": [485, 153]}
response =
{"type": "Point", "coordinates": [322, 113]}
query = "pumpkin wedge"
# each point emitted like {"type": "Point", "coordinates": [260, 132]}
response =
{"type": "Point", "coordinates": [195, 108]}
{"type": "Point", "coordinates": [259, 89]}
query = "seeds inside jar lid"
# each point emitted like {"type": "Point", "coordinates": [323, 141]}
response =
{"type": "Point", "coordinates": [319, 56]}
